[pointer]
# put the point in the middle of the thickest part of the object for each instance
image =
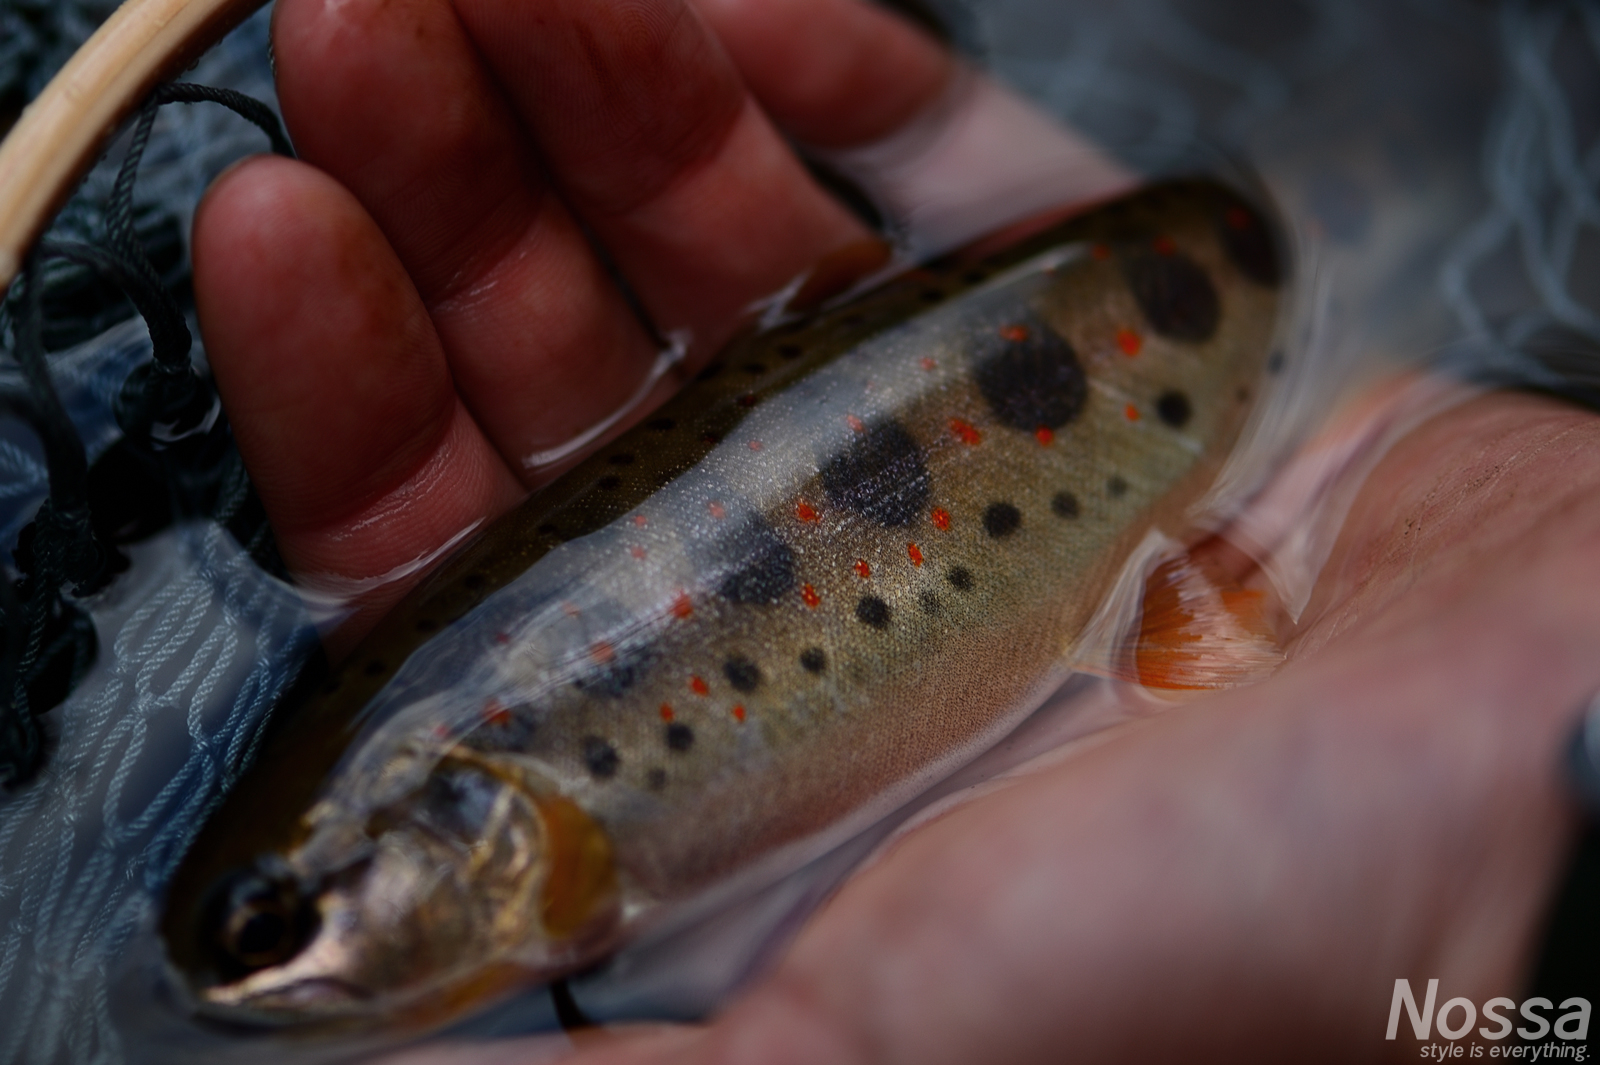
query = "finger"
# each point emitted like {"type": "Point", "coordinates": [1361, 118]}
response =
{"type": "Point", "coordinates": [646, 126]}
{"type": "Point", "coordinates": [833, 73]}
{"type": "Point", "coordinates": [390, 97]}
{"type": "Point", "coordinates": [335, 382]}
{"type": "Point", "coordinates": [949, 154]}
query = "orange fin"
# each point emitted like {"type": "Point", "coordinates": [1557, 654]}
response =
{"type": "Point", "coordinates": [1200, 629]}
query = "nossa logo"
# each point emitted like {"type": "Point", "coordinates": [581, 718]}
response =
{"type": "Point", "coordinates": [1457, 1016]}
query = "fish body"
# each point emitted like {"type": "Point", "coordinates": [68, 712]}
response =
{"type": "Point", "coordinates": [851, 555]}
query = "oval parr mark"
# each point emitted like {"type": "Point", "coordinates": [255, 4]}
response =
{"type": "Point", "coordinates": [1031, 378]}
{"type": "Point", "coordinates": [814, 660]}
{"type": "Point", "coordinates": [743, 674]}
{"type": "Point", "coordinates": [930, 603]}
{"type": "Point", "coordinates": [760, 565]}
{"type": "Point", "coordinates": [1174, 292]}
{"type": "Point", "coordinates": [1001, 520]}
{"type": "Point", "coordinates": [1065, 505]}
{"type": "Point", "coordinates": [881, 475]}
{"type": "Point", "coordinates": [600, 757]}
{"type": "Point", "coordinates": [960, 578]}
{"type": "Point", "coordinates": [873, 611]}
{"type": "Point", "coordinates": [1173, 408]}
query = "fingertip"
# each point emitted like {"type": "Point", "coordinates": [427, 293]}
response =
{"type": "Point", "coordinates": [833, 73]}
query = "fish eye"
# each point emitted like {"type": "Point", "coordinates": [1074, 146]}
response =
{"type": "Point", "coordinates": [255, 921]}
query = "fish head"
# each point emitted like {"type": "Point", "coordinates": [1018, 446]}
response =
{"type": "Point", "coordinates": [477, 881]}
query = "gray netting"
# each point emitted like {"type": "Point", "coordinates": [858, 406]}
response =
{"type": "Point", "coordinates": [1436, 160]}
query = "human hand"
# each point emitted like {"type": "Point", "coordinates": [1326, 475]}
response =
{"type": "Point", "coordinates": [398, 322]}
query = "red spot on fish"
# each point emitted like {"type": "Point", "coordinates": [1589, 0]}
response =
{"type": "Point", "coordinates": [738, 714]}
{"type": "Point", "coordinates": [570, 609]}
{"type": "Point", "coordinates": [502, 637]}
{"type": "Point", "coordinates": [717, 510]}
{"type": "Point", "coordinates": [1101, 252]}
{"type": "Point", "coordinates": [749, 399]}
{"type": "Point", "coordinates": [666, 712]}
{"type": "Point", "coordinates": [941, 518]}
{"type": "Point", "coordinates": [637, 552]}
{"type": "Point", "coordinates": [1045, 435]}
{"type": "Point", "coordinates": [1165, 246]}
{"type": "Point", "coordinates": [698, 686]}
{"type": "Point", "coordinates": [915, 553]}
{"type": "Point", "coordinates": [929, 365]}
{"type": "Point", "coordinates": [495, 713]}
{"type": "Point", "coordinates": [681, 607]}
{"type": "Point", "coordinates": [1129, 341]}
{"type": "Point", "coordinates": [809, 594]}
{"type": "Point", "coordinates": [602, 653]}
{"type": "Point", "coordinates": [854, 423]}
{"type": "Point", "coordinates": [640, 520]}
{"type": "Point", "coordinates": [441, 732]}
{"type": "Point", "coordinates": [862, 569]}
{"type": "Point", "coordinates": [1131, 412]}
{"type": "Point", "coordinates": [805, 512]}
{"type": "Point", "coordinates": [966, 432]}
{"type": "Point", "coordinates": [754, 445]}
{"type": "Point", "coordinates": [1014, 333]}
{"type": "Point", "coordinates": [1237, 218]}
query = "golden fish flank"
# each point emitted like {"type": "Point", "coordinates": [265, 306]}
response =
{"type": "Point", "coordinates": [848, 558]}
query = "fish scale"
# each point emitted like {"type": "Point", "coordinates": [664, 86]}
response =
{"type": "Point", "coordinates": [847, 558]}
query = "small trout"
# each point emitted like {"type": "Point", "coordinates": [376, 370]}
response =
{"type": "Point", "coordinates": [848, 558]}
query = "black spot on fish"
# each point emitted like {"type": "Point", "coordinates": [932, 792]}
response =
{"type": "Point", "coordinates": [548, 530]}
{"type": "Point", "coordinates": [930, 602]}
{"type": "Point", "coordinates": [1116, 488]}
{"type": "Point", "coordinates": [661, 425]}
{"type": "Point", "coordinates": [600, 757]}
{"type": "Point", "coordinates": [1173, 407]}
{"type": "Point", "coordinates": [813, 660]}
{"type": "Point", "coordinates": [974, 277]}
{"type": "Point", "coordinates": [790, 351]}
{"type": "Point", "coordinates": [1064, 505]}
{"type": "Point", "coordinates": [610, 484]}
{"type": "Point", "coordinates": [932, 295]}
{"type": "Point", "coordinates": [754, 369]}
{"type": "Point", "coordinates": [1275, 362]}
{"type": "Point", "coordinates": [621, 460]}
{"type": "Point", "coordinates": [873, 611]}
{"type": "Point", "coordinates": [760, 566]}
{"type": "Point", "coordinates": [1177, 298]}
{"type": "Point", "coordinates": [374, 668]}
{"type": "Point", "coordinates": [1242, 394]}
{"type": "Point", "coordinates": [960, 578]}
{"type": "Point", "coordinates": [709, 372]}
{"type": "Point", "coordinates": [617, 675]}
{"type": "Point", "coordinates": [743, 674]}
{"type": "Point", "coordinates": [1001, 519]}
{"type": "Point", "coordinates": [680, 737]}
{"type": "Point", "coordinates": [656, 778]}
{"type": "Point", "coordinates": [473, 581]}
{"type": "Point", "coordinates": [881, 476]}
{"type": "Point", "coordinates": [1032, 382]}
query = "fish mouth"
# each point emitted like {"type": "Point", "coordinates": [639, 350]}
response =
{"type": "Point", "coordinates": [287, 1002]}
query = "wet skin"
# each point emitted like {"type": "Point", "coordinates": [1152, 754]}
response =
{"type": "Point", "coordinates": [1263, 865]}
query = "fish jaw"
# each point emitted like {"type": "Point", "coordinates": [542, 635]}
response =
{"type": "Point", "coordinates": [478, 882]}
